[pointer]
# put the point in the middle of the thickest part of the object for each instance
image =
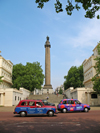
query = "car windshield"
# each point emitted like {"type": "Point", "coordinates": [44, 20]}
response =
{"type": "Point", "coordinates": [77, 102]}
{"type": "Point", "coordinates": [60, 102]}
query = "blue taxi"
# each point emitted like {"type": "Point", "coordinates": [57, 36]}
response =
{"type": "Point", "coordinates": [72, 105]}
{"type": "Point", "coordinates": [26, 107]}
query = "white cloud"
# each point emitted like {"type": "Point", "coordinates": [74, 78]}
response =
{"type": "Point", "coordinates": [84, 34]}
{"type": "Point", "coordinates": [88, 34]}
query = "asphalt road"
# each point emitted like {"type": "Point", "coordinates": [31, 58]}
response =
{"type": "Point", "coordinates": [74, 122]}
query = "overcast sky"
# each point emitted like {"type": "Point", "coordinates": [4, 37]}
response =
{"type": "Point", "coordinates": [23, 32]}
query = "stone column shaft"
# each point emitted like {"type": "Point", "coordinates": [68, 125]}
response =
{"type": "Point", "coordinates": [47, 65]}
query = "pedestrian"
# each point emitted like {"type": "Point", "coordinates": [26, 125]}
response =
{"type": "Point", "coordinates": [47, 97]}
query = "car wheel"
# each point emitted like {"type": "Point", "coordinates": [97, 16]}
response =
{"type": "Point", "coordinates": [22, 114]}
{"type": "Point", "coordinates": [64, 110]}
{"type": "Point", "coordinates": [86, 110]}
{"type": "Point", "coordinates": [50, 113]}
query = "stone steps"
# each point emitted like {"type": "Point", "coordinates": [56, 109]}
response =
{"type": "Point", "coordinates": [52, 97]}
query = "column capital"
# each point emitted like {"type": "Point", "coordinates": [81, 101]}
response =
{"type": "Point", "coordinates": [47, 44]}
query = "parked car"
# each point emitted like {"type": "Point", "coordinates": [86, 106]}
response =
{"type": "Point", "coordinates": [47, 103]}
{"type": "Point", "coordinates": [72, 105]}
{"type": "Point", "coordinates": [26, 107]}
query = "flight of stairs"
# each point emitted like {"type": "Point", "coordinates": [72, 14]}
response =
{"type": "Point", "coordinates": [52, 97]}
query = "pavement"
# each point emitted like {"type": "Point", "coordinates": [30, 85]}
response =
{"type": "Point", "coordinates": [11, 108]}
{"type": "Point", "coordinates": [61, 123]}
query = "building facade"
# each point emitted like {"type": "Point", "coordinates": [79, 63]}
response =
{"type": "Point", "coordinates": [86, 94]}
{"type": "Point", "coordinates": [89, 70]}
{"type": "Point", "coordinates": [9, 96]}
{"type": "Point", "coordinates": [6, 71]}
{"type": "Point", "coordinates": [58, 88]}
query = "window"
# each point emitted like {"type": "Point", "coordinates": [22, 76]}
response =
{"type": "Point", "coordinates": [93, 95]}
{"type": "Point", "coordinates": [39, 104]}
{"type": "Point", "coordinates": [24, 103]}
{"type": "Point", "coordinates": [64, 102]}
{"type": "Point", "coordinates": [45, 101]}
{"type": "Point", "coordinates": [15, 98]}
{"type": "Point", "coordinates": [31, 103]}
{"type": "Point", "coordinates": [70, 102]}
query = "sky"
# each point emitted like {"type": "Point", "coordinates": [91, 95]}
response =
{"type": "Point", "coordinates": [23, 32]}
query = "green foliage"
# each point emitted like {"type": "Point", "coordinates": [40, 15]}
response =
{"type": "Point", "coordinates": [29, 76]}
{"type": "Point", "coordinates": [58, 6]}
{"type": "Point", "coordinates": [74, 77]}
{"type": "Point", "coordinates": [1, 79]}
{"type": "Point", "coordinates": [41, 3]}
{"type": "Point", "coordinates": [60, 91]}
{"type": "Point", "coordinates": [90, 6]}
{"type": "Point", "coordinates": [96, 78]}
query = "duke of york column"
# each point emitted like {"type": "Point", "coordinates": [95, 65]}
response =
{"type": "Point", "coordinates": [48, 87]}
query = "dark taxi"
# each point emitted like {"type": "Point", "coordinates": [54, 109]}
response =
{"type": "Point", "coordinates": [26, 107]}
{"type": "Point", "coordinates": [72, 105]}
{"type": "Point", "coordinates": [47, 103]}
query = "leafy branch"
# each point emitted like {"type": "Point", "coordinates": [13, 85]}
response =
{"type": "Point", "coordinates": [90, 6]}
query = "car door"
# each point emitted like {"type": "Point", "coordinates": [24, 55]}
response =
{"type": "Point", "coordinates": [31, 108]}
{"type": "Point", "coordinates": [70, 105]}
{"type": "Point", "coordinates": [78, 106]}
{"type": "Point", "coordinates": [23, 107]}
{"type": "Point", "coordinates": [64, 104]}
{"type": "Point", "coordinates": [39, 108]}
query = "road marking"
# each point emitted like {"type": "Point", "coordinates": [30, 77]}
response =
{"type": "Point", "coordinates": [21, 124]}
{"type": "Point", "coordinates": [51, 122]}
{"type": "Point", "coordinates": [78, 124]}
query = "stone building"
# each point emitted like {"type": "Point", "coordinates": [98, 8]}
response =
{"type": "Point", "coordinates": [86, 94]}
{"type": "Point", "coordinates": [58, 88]}
{"type": "Point", "coordinates": [6, 71]}
{"type": "Point", "coordinates": [89, 70]}
{"type": "Point", "coordinates": [9, 96]}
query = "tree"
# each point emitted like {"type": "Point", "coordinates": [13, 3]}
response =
{"type": "Point", "coordinates": [74, 77]}
{"type": "Point", "coordinates": [60, 91]}
{"type": "Point", "coordinates": [29, 76]}
{"type": "Point", "coordinates": [1, 79]}
{"type": "Point", "coordinates": [96, 78]}
{"type": "Point", "coordinates": [90, 6]}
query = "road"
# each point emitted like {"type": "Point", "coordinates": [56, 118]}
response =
{"type": "Point", "coordinates": [74, 122]}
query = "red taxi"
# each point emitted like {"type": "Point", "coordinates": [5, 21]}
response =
{"type": "Point", "coordinates": [26, 107]}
